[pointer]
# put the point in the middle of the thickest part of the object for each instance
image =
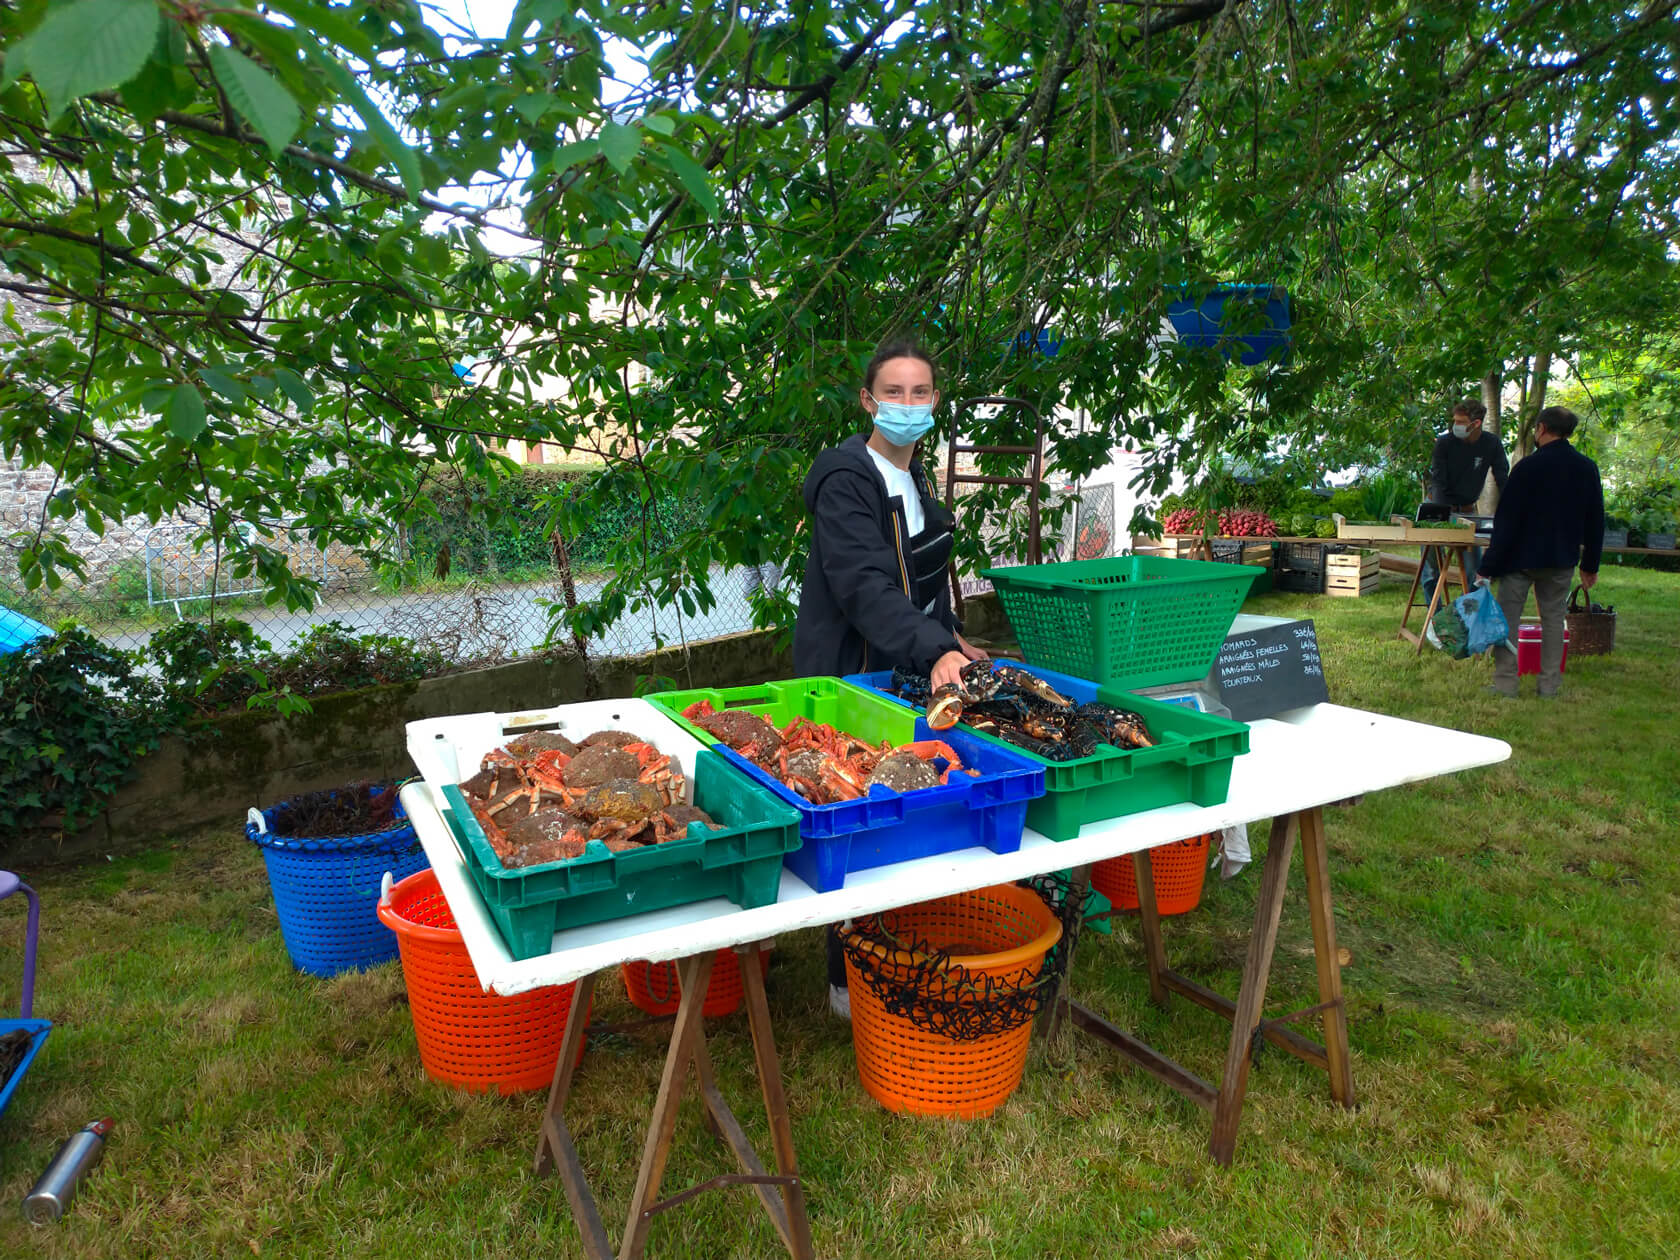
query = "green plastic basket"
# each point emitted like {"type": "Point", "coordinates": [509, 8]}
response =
{"type": "Point", "coordinates": [1127, 622]}
{"type": "Point", "coordinates": [1190, 761]}
{"type": "Point", "coordinates": [826, 701]}
{"type": "Point", "coordinates": [742, 863]}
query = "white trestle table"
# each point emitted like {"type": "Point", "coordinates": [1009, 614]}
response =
{"type": "Point", "coordinates": [1297, 763]}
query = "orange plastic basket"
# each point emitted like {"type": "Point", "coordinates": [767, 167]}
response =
{"type": "Point", "coordinates": [1179, 869]}
{"type": "Point", "coordinates": [1003, 932]}
{"type": "Point", "coordinates": [654, 988]}
{"type": "Point", "coordinates": [468, 1038]}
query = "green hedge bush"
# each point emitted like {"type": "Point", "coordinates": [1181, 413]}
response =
{"type": "Point", "coordinates": [503, 529]}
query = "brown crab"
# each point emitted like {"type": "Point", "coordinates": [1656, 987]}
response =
{"type": "Point", "coordinates": [549, 835]}
{"type": "Point", "coordinates": [622, 809]}
{"type": "Point", "coordinates": [681, 815]}
{"type": "Point", "coordinates": [748, 734]}
{"type": "Point", "coordinates": [540, 741]}
{"type": "Point", "coordinates": [904, 772]}
{"type": "Point", "coordinates": [609, 739]}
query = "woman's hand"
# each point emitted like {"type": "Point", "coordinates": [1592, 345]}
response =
{"type": "Point", "coordinates": [971, 652]}
{"type": "Point", "coordinates": [947, 670]}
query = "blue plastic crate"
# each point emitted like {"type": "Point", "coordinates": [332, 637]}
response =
{"type": "Point", "coordinates": [887, 827]}
{"type": "Point", "coordinates": [38, 1030]}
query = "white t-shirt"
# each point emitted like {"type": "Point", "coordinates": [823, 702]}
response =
{"type": "Point", "coordinates": [901, 486]}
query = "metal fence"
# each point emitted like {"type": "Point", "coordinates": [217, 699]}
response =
{"type": "Point", "coordinates": [143, 579]}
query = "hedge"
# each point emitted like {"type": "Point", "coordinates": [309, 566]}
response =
{"type": "Point", "coordinates": [518, 541]}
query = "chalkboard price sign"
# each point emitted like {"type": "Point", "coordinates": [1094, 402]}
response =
{"type": "Point", "coordinates": [1262, 672]}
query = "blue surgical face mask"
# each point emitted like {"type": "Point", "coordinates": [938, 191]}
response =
{"type": "Point", "coordinates": [902, 424]}
{"type": "Point", "coordinates": [1461, 430]}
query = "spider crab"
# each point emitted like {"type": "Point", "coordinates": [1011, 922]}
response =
{"type": "Point", "coordinates": [541, 803]}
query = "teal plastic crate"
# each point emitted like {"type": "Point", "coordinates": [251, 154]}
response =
{"type": "Point", "coordinates": [1190, 761]}
{"type": "Point", "coordinates": [741, 863]}
{"type": "Point", "coordinates": [1127, 621]}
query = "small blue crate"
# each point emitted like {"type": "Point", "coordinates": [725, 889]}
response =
{"type": "Point", "coordinates": [326, 891]}
{"type": "Point", "coordinates": [37, 1030]}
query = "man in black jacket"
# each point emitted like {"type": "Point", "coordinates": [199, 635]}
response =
{"type": "Point", "coordinates": [1550, 518]}
{"type": "Point", "coordinates": [1458, 470]}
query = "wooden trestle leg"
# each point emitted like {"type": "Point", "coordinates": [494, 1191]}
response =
{"type": "Point", "coordinates": [1247, 1024]}
{"type": "Point", "coordinates": [687, 1045]}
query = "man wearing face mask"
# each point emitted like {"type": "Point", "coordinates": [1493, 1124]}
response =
{"type": "Point", "coordinates": [1458, 469]}
{"type": "Point", "coordinates": [875, 593]}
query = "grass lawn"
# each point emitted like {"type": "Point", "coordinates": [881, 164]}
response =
{"type": "Point", "coordinates": [1514, 998]}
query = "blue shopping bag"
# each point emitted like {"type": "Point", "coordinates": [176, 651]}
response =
{"type": "Point", "coordinates": [1485, 627]}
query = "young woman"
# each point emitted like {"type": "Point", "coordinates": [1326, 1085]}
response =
{"type": "Point", "coordinates": [875, 595]}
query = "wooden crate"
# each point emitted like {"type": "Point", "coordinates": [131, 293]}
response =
{"type": "Point", "coordinates": [1359, 531]}
{"type": "Point", "coordinates": [1351, 564]}
{"type": "Point", "coordinates": [1350, 583]}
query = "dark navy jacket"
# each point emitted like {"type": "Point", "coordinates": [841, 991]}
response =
{"type": "Point", "coordinates": [873, 598]}
{"type": "Point", "coordinates": [1551, 514]}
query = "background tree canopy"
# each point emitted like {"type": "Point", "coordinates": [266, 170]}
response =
{"type": "Point", "coordinates": [252, 240]}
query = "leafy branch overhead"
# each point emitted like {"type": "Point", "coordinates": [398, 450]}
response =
{"type": "Point", "coordinates": [244, 245]}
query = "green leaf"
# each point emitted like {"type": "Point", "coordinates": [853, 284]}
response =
{"type": "Point", "coordinates": [693, 178]}
{"type": "Point", "coordinates": [259, 99]}
{"type": "Point", "coordinates": [569, 155]}
{"type": "Point", "coordinates": [291, 384]}
{"type": "Point", "coordinates": [532, 106]}
{"type": "Point", "coordinates": [329, 23]}
{"type": "Point", "coordinates": [223, 384]}
{"type": "Point", "coordinates": [406, 160]}
{"type": "Point", "coordinates": [619, 144]}
{"type": "Point", "coordinates": [88, 46]}
{"type": "Point", "coordinates": [185, 413]}
{"type": "Point", "coordinates": [660, 124]}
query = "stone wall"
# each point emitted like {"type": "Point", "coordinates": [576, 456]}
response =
{"type": "Point", "coordinates": [211, 776]}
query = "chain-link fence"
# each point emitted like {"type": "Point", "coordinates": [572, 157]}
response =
{"type": "Point", "coordinates": [142, 579]}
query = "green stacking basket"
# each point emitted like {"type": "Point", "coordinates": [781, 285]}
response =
{"type": "Point", "coordinates": [1127, 621]}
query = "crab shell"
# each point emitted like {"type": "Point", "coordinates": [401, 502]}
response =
{"type": "Point", "coordinates": [609, 739]}
{"type": "Point", "coordinates": [623, 800]}
{"type": "Point", "coordinates": [595, 765]}
{"type": "Point", "coordinates": [747, 733]}
{"type": "Point", "coordinates": [904, 772]}
{"type": "Point", "coordinates": [549, 835]}
{"type": "Point", "coordinates": [541, 741]}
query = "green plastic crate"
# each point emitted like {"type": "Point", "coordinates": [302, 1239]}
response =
{"type": "Point", "coordinates": [742, 863]}
{"type": "Point", "coordinates": [1126, 622]}
{"type": "Point", "coordinates": [821, 700]}
{"type": "Point", "coordinates": [1190, 761]}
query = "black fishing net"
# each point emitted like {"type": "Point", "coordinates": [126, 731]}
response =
{"type": "Point", "coordinates": [920, 983]}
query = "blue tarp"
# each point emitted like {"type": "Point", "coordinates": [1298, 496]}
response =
{"type": "Point", "coordinates": [1262, 337]}
{"type": "Point", "coordinates": [17, 630]}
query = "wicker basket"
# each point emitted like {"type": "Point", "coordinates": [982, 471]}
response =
{"type": "Point", "coordinates": [1590, 633]}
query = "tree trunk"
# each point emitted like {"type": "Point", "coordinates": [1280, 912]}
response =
{"type": "Point", "coordinates": [1488, 502]}
{"type": "Point", "coordinates": [1539, 376]}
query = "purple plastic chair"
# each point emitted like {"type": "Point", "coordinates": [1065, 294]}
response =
{"type": "Point", "coordinates": [37, 1028]}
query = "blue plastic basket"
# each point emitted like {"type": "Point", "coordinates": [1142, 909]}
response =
{"type": "Point", "coordinates": [886, 827]}
{"type": "Point", "coordinates": [326, 892]}
{"type": "Point", "coordinates": [38, 1028]}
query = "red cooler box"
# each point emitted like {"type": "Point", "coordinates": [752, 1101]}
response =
{"type": "Point", "coordinates": [1528, 648]}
